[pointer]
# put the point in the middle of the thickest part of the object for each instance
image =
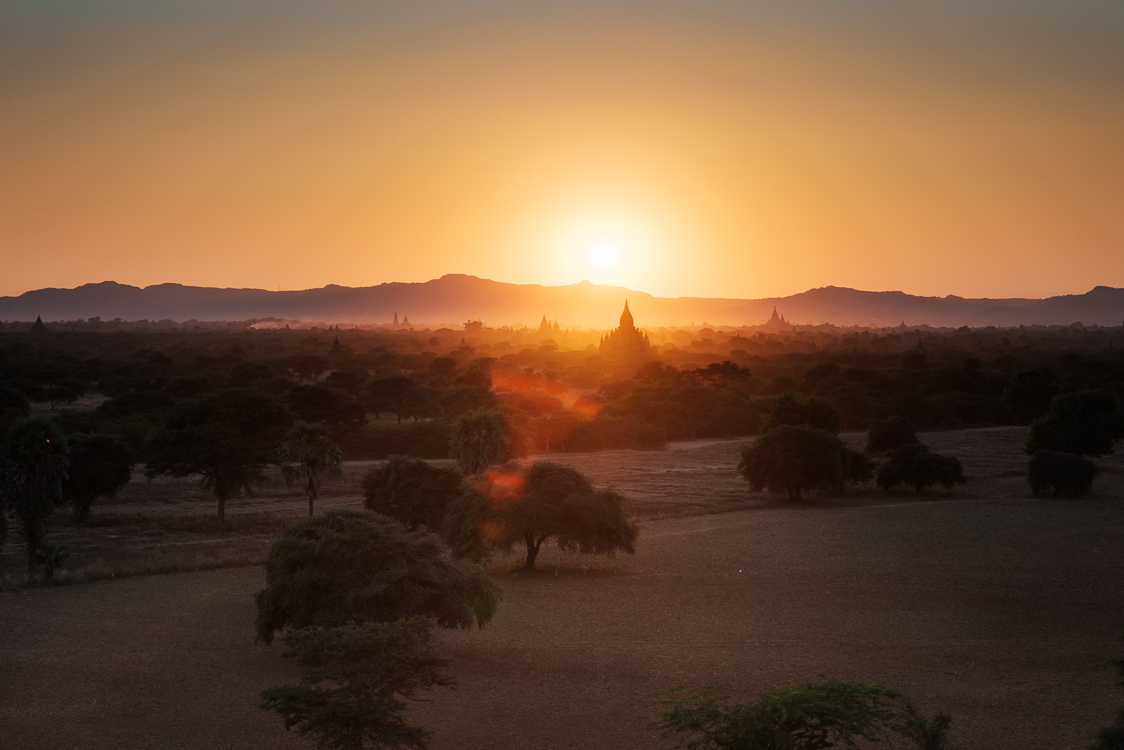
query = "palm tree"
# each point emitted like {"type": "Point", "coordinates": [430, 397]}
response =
{"type": "Point", "coordinates": [32, 467]}
{"type": "Point", "coordinates": [308, 454]}
{"type": "Point", "coordinates": [479, 440]}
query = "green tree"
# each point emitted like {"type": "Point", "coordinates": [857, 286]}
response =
{"type": "Point", "coordinates": [790, 409]}
{"type": "Point", "coordinates": [100, 465]}
{"type": "Point", "coordinates": [308, 455]}
{"type": "Point", "coordinates": [357, 682]}
{"type": "Point", "coordinates": [809, 715]}
{"type": "Point", "coordinates": [479, 440]}
{"type": "Point", "coordinates": [1085, 423]}
{"type": "Point", "coordinates": [917, 466]}
{"type": "Point", "coordinates": [1028, 394]}
{"type": "Point", "coordinates": [347, 565]}
{"type": "Point", "coordinates": [33, 465]}
{"type": "Point", "coordinates": [794, 460]}
{"type": "Point", "coordinates": [548, 500]}
{"type": "Point", "coordinates": [227, 438]}
{"type": "Point", "coordinates": [411, 491]}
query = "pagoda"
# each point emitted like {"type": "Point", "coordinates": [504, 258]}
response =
{"type": "Point", "coordinates": [625, 341]}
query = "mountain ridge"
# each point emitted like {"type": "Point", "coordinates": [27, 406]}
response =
{"type": "Point", "coordinates": [455, 298]}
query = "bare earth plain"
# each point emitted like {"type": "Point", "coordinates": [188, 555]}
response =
{"type": "Point", "coordinates": [993, 606]}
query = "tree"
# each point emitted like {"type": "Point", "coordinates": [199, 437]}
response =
{"type": "Point", "coordinates": [308, 455]}
{"type": "Point", "coordinates": [387, 394]}
{"type": "Point", "coordinates": [347, 565]}
{"type": "Point", "coordinates": [100, 465]}
{"type": "Point", "coordinates": [919, 467]}
{"type": "Point", "coordinates": [1028, 394]}
{"type": "Point", "coordinates": [357, 681]}
{"type": "Point", "coordinates": [479, 440]}
{"type": "Point", "coordinates": [790, 409]}
{"type": "Point", "coordinates": [807, 715]}
{"type": "Point", "coordinates": [886, 435]}
{"type": "Point", "coordinates": [1112, 736]}
{"type": "Point", "coordinates": [227, 438]}
{"type": "Point", "coordinates": [33, 464]}
{"type": "Point", "coordinates": [1086, 423]}
{"type": "Point", "coordinates": [411, 491]}
{"type": "Point", "coordinates": [1066, 473]}
{"type": "Point", "coordinates": [795, 459]}
{"type": "Point", "coordinates": [547, 500]}
{"type": "Point", "coordinates": [324, 404]}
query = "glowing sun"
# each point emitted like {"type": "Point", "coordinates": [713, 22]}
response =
{"type": "Point", "coordinates": [603, 254]}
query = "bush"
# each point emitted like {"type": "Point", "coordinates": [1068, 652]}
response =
{"type": "Point", "coordinates": [411, 491]}
{"type": "Point", "coordinates": [100, 465]}
{"type": "Point", "coordinates": [1066, 473]}
{"type": "Point", "coordinates": [357, 682]}
{"type": "Point", "coordinates": [795, 459]}
{"type": "Point", "coordinates": [804, 716]}
{"type": "Point", "coordinates": [886, 435]}
{"type": "Point", "coordinates": [789, 409]}
{"type": "Point", "coordinates": [1086, 423]}
{"type": "Point", "coordinates": [919, 467]}
{"type": "Point", "coordinates": [347, 565]}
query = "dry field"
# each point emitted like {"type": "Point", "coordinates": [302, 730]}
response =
{"type": "Point", "coordinates": [996, 607]}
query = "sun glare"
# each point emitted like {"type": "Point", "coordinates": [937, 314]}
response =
{"type": "Point", "coordinates": [604, 254]}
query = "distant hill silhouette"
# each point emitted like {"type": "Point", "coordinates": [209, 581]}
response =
{"type": "Point", "coordinates": [455, 298]}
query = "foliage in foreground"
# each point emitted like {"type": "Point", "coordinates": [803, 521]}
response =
{"type": "Point", "coordinates": [347, 565]}
{"type": "Point", "coordinates": [33, 463]}
{"type": "Point", "coordinates": [411, 491]}
{"type": "Point", "coordinates": [308, 455]}
{"type": "Point", "coordinates": [100, 465]}
{"type": "Point", "coordinates": [796, 459]}
{"type": "Point", "coordinates": [357, 681]}
{"type": "Point", "coordinates": [917, 466]}
{"type": "Point", "coordinates": [479, 440]}
{"type": "Point", "coordinates": [1086, 423]}
{"type": "Point", "coordinates": [547, 500]}
{"type": "Point", "coordinates": [1066, 473]}
{"type": "Point", "coordinates": [807, 715]}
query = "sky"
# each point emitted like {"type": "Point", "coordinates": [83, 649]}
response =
{"type": "Point", "coordinates": [708, 148]}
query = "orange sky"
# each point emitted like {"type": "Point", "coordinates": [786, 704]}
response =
{"type": "Point", "coordinates": [725, 149]}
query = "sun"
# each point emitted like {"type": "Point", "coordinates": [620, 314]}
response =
{"type": "Point", "coordinates": [604, 254]}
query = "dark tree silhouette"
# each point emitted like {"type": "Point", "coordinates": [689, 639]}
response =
{"type": "Point", "coordinates": [479, 440]}
{"type": "Point", "coordinates": [790, 409]}
{"type": "Point", "coordinates": [547, 500]}
{"type": "Point", "coordinates": [33, 463]}
{"type": "Point", "coordinates": [326, 405]}
{"type": "Point", "coordinates": [917, 466]}
{"type": "Point", "coordinates": [346, 565]}
{"type": "Point", "coordinates": [1028, 394]}
{"type": "Point", "coordinates": [795, 459]}
{"type": "Point", "coordinates": [357, 682]}
{"type": "Point", "coordinates": [100, 465]}
{"type": "Point", "coordinates": [307, 456]}
{"type": "Point", "coordinates": [411, 491]}
{"type": "Point", "coordinates": [227, 438]}
{"type": "Point", "coordinates": [1066, 473]}
{"type": "Point", "coordinates": [1086, 423]}
{"type": "Point", "coordinates": [886, 435]}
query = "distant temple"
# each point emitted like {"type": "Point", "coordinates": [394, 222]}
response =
{"type": "Point", "coordinates": [625, 341]}
{"type": "Point", "coordinates": [777, 322]}
{"type": "Point", "coordinates": [37, 326]}
{"type": "Point", "coordinates": [546, 329]}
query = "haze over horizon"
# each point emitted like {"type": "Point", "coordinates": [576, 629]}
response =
{"type": "Point", "coordinates": [722, 150]}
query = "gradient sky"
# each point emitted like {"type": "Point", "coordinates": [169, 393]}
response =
{"type": "Point", "coordinates": [739, 149]}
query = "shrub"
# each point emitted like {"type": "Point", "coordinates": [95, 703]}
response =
{"type": "Point", "coordinates": [1086, 423]}
{"type": "Point", "coordinates": [804, 716]}
{"type": "Point", "coordinates": [411, 491]}
{"type": "Point", "coordinates": [795, 459]}
{"type": "Point", "coordinates": [886, 435]}
{"type": "Point", "coordinates": [789, 409]}
{"type": "Point", "coordinates": [346, 565]}
{"type": "Point", "coordinates": [357, 681]}
{"type": "Point", "coordinates": [919, 467]}
{"type": "Point", "coordinates": [1066, 473]}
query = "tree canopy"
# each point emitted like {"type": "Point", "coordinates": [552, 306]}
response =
{"type": "Point", "coordinates": [479, 440]}
{"type": "Point", "coordinates": [227, 438]}
{"type": "Point", "coordinates": [790, 409]}
{"type": "Point", "coordinates": [886, 435]}
{"type": "Point", "coordinates": [917, 466]}
{"type": "Point", "coordinates": [411, 491]}
{"type": "Point", "coordinates": [308, 455]}
{"type": "Point", "coordinates": [1085, 423]}
{"type": "Point", "coordinates": [33, 464]}
{"type": "Point", "coordinates": [547, 500]}
{"type": "Point", "coordinates": [346, 565]}
{"type": "Point", "coordinates": [100, 465]}
{"type": "Point", "coordinates": [794, 459]}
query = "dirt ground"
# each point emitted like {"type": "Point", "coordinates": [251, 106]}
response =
{"type": "Point", "coordinates": [995, 607]}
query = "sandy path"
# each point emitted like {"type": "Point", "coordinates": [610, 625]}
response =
{"type": "Point", "coordinates": [1001, 612]}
